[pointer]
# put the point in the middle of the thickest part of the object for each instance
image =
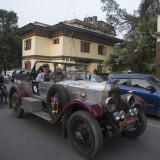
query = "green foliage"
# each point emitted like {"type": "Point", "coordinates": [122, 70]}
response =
{"type": "Point", "coordinates": [10, 45]}
{"type": "Point", "coordinates": [139, 46]}
{"type": "Point", "coordinates": [117, 61]}
{"type": "Point", "coordinates": [118, 17]}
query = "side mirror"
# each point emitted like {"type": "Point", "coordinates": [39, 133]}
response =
{"type": "Point", "coordinates": [151, 88]}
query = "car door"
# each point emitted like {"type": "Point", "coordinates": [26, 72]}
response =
{"type": "Point", "coordinates": [138, 85]}
{"type": "Point", "coordinates": [122, 83]}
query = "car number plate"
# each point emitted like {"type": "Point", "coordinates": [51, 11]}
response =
{"type": "Point", "coordinates": [128, 123]}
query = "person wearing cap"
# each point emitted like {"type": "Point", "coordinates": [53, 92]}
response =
{"type": "Point", "coordinates": [46, 71]}
{"type": "Point", "coordinates": [58, 70]}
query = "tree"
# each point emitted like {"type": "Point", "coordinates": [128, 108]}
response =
{"type": "Point", "coordinates": [10, 45]}
{"type": "Point", "coordinates": [139, 45]}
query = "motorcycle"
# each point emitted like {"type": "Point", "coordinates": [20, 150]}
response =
{"type": "Point", "coordinates": [3, 93]}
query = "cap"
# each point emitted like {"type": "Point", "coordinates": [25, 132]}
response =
{"type": "Point", "coordinates": [45, 65]}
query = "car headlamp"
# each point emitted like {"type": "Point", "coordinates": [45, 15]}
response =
{"type": "Point", "coordinates": [122, 114]}
{"type": "Point", "coordinates": [117, 116]}
{"type": "Point", "coordinates": [131, 111]}
{"type": "Point", "coordinates": [130, 101]}
{"type": "Point", "coordinates": [109, 105]}
{"type": "Point", "coordinates": [135, 111]}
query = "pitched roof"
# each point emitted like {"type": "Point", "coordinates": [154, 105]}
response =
{"type": "Point", "coordinates": [63, 26]}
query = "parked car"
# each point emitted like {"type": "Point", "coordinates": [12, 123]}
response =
{"type": "Point", "coordinates": [9, 74]}
{"type": "Point", "coordinates": [19, 72]}
{"type": "Point", "coordinates": [144, 85]}
{"type": "Point", "coordinates": [87, 110]}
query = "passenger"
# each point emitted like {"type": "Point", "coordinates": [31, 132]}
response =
{"type": "Point", "coordinates": [59, 74]}
{"type": "Point", "coordinates": [64, 75]}
{"type": "Point", "coordinates": [46, 73]}
{"type": "Point", "coordinates": [58, 70]}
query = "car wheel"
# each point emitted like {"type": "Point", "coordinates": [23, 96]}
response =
{"type": "Point", "coordinates": [85, 134]}
{"type": "Point", "coordinates": [62, 97]}
{"type": "Point", "coordinates": [17, 111]}
{"type": "Point", "coordinates": [139, 128]}
{"type": "Point", "coordinates": [158, 113]}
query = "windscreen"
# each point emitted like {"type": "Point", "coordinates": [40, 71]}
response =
{"type": "Point", "coordinates": [63, 72]}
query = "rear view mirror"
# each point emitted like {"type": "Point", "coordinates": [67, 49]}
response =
{"type": "Point", "coordinates": [150, 88]}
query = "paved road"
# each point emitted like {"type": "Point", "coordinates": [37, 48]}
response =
{"type": "Point", "coordinates": [31, 138]}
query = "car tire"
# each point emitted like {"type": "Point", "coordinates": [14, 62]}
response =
{"type": "Point", "coordinates": [17, 111]}
{"type": "Point", "coordinates": [140, 128]}
{"type": "Point", "coordinates": [158, 113]}
{"type": "Point", "coordinates": [84, 128]}
{"type": "Point", "coordinates": [63, 98]}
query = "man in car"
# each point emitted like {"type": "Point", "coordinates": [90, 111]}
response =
{"type": "Point", "coordinates": [46, 74]}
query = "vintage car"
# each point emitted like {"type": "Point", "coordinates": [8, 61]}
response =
{"type": "Point", "coordinates": [87, 110]}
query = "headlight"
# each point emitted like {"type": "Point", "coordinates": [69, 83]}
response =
{"type": "Point", "coordinates": [130, 101]}
{"type": "Point", "coordinates": [131, 111]}
{"type": "Point", "coordinates": [122, 114]}
{"type": "Point", "coordinates": [109, 105]}
{"type": "Point", "coordinates": [135, 111]}
{"type": "Point", "coordinates": [117, 116]}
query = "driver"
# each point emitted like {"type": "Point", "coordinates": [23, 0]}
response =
{"type": "Point", "coordinates": [46, 71]}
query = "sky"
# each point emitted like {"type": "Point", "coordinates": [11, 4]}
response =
{"type": "Point", "coordinates": [55, 11]}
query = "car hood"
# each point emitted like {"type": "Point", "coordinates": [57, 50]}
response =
{"type": "Point", "coordinates": [87, 84]}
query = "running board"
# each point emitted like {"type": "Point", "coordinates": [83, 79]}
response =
{"type": "Point", "coordinates": [43, 115]}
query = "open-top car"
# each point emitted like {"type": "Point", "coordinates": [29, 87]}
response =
{"type": "Point", "coordinates": [88, 110]}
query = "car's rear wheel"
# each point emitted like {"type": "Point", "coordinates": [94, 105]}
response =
{"type": "Point", "coordinates": [139, 128]}
{"type": "Point", "coordinates": [17, 111]}
{"type": "Point", "coordinates": [85, 134]}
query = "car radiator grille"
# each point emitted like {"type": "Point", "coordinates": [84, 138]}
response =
{"type": "Point", "coordinates": [116, 95]}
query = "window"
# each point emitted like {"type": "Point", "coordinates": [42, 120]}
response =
{"type": "Point", "coordinates": [56, 41]}
{"type": "Point", "coordinates": [101, 50]}
{"type": "Point", "coordinates": [27, 44]}
{"type": "Point", "coordinates": [156, 80]}
{"type": "Point", "coordinates": [122, 81]}
{"type": "Point", "coordinates": [139, 83]}
{"type": "Point", "coordinates": [85, 47]}
{"type": "Point", "coordinates": [27, 66]}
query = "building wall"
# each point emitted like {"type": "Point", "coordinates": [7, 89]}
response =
{"type": "Point", "coordinates": [56, 49]}
{"type": "Point", "coordinates": [67, 47]}
{"type": "Point", "coordinates": [72, 47]}
{"type": "Point", "coordinates": [42, 46]}
{"type": "Point", "coordinates": [32, 63]}
{"type": "Point", "coordinates": [28, 52]}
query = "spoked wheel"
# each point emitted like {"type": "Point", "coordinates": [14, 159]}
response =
{"type": "Point", "coordinates": [139, 128]}
{"type": "Point", "coordinates": [17, 111]}
{"type": "Point", "coordinates": [57, 98]}
{"type": "Point", "coordinates": [85, 134]}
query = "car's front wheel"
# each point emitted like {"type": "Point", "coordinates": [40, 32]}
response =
{"type": "Point", "coordinates": [17, 111]}
{"type": "Point", "coordinates": [85, 133]}
{"type": "Point", "coordinates": [139, 128]}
